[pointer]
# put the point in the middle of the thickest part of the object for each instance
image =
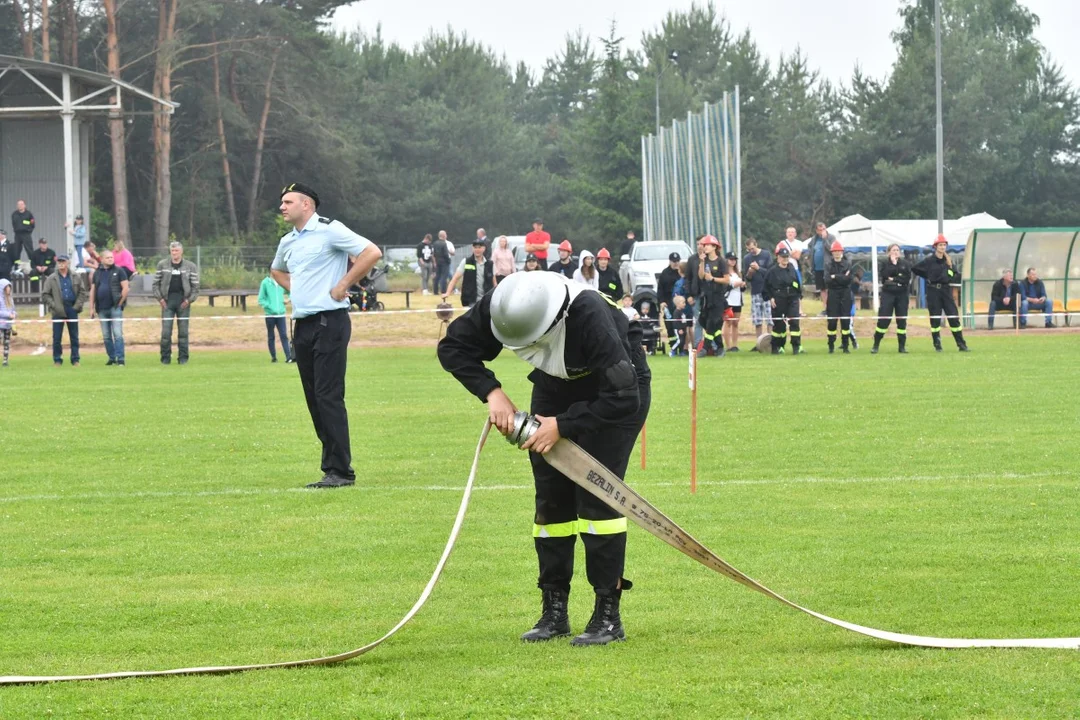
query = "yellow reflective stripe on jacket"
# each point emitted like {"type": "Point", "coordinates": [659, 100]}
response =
{"type": "Point", "coordinates": [566, 529]}
{"type": "Point", "coordinates": [601, 527]}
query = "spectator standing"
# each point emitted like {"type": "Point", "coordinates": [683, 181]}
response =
{"type": "Point", "coordinates": [532, 263]}
{"type": "Point", "coordinates": [537, 242]}
{"type": "Point", "coordinates": [1004, 297]}
{"type": "Point", "coordinates": [1033, 293]}
{"type": "Point", "coordinates": [502, 259]}
{"type": "Point", "coordinates": [476, 275]}
{"type": "Point", "coordinates": [838, 279]}
{"type": "Point", "coordinates": [481, 235]}
{"type": "Point", "coordinates": [425, 258]}
{"type": "Point", "coordinates": [176, 285]}
{"type": "Point", "coordinates": [42, 264]}
{"type": "Point", "coordinates": [23, 225]}
{"type": "Point", "coordinates": [937, 270]}
{"type": "Point", "coordinates": [608, 282]}
{"type": "Point", "coordinates": [586, 274]}
{"type": "Point", "coordinates": [63, 296]}
{"type": "Point", "coordinates": [108, 296]}
{"type": "Point", "coordinates": [756, 264]}
{"type": "Point", "coordinates": [783, 290]}
{"type": "Point", "coordinates": [122, 257]}
{"type": "Point", "coordinates": [715, 282]}
{"type": "Point", "coordinates": [734, 302]}
{"type": "Point", "coordinates": [7, 314]}
{"type": "Point", "coordinates": [895, 276]}
{"type": "Point", "coordinates": [9, 257]}
{"type": "Point", "coordinates": [78, 234]}
{"type": "Point", "coordinates": [823, 242]}
{"type": "Point", "coordinates": [627, 245]}
{"type": "Point", "coordinates": [693, 287]}
{"type": "Point", "coordinates": [312, 265]}
{"type": "Point", "coordinates": [441, 251]}
{"type": "Point", "coordinates": [665, 291]}
{"type": "Point", "coordinates": [272, 301]}
{"type": "Point", "coordinates": [566, 265]}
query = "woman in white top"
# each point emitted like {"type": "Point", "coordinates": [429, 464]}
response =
{"type": "Point", "coordinates": [734, 301]}
{"type": "Point", "coordinates": [586, 274]}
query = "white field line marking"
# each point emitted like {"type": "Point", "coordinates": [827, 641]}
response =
{"type": "Point", "coordinates": [238, 492]}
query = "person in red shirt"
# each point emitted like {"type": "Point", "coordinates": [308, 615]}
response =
{"type": "Point", "coordinates": [537, 242]}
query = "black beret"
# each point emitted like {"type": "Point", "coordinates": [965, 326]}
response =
{"type": "Point", "coordinates": [303, 190]}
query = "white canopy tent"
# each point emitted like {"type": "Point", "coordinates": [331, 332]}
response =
{"type": "Point", "coordinates": [858, 234]}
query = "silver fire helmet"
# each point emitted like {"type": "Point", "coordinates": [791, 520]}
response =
{"type": "Point", "coordinates": [525, 305]}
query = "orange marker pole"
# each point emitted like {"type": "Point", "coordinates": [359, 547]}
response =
{"type": "Point", "coordinates": [693, 420]}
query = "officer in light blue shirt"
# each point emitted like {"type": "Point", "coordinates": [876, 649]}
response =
{"type": "Point", "coordinates": [312, 263]}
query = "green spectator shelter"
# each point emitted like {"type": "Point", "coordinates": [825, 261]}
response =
{"type": "Point", "coordinates": [1053, 252]}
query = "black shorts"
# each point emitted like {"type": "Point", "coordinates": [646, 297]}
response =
{"type": "Point", "coordinates": [819, 279]}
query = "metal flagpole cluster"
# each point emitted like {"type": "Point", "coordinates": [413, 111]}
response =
{"type": "Point", "coordinates": [691, 176]}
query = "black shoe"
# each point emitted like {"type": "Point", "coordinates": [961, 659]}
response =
{"type": "Point", "coordinates": [720, 352]}
{"type": "Point", "coordinates": [903, 351]}
{"type": "Point", "coordinates": [734, 349]}
{"type": "Point", "coordinates": [182, 361]}
{"type": "Point", "coordinates": [831, 350]}
{"type": "Point", "coordinates": [605, 625]}
{"type": "Point", "coordinates": [937, 348]}
{"type": "Point", "coordinates": [846, 350]}
{"type": "Point", "coordinates": [111, 362]}
{"type": "Point", "coordinates": [874, 350]}
{"type": "Point", "coordinates": [332, 480]}
{"type": "Point", "coordinates": [166, 361]}
{"type": "Point", "coordinates": [963, 348]}
{"type": "Point", "coordinates": [754, 349]}
{"type": "Point", "coordinates": [273, 359]}
{"type": "Point", "coordinates": [120, 363]}
{"type": "Point", "coordinates": [554, 621]}
{"type": "Point", "coordinates": [290, 361]}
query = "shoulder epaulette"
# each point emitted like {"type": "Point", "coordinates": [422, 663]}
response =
{"type": "Point", "coordinates": [326, 220]}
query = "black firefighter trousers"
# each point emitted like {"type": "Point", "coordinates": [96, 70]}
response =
{"type": "Point", "coordinates": [564, 510]}
{"type": "Point", "coordinates": [320, 345]}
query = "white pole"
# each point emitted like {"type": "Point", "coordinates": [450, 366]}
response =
{"type": "Point", "coordinates": [67, 115]}
{"type": "Point", "coordinates": [874, 273]}
{"type": "Point", "coordinates": [690, 167]}
{"type": "Point", "coordinates": [644, 190]}
{"type": "Point", "coordinates": [725, 168]}
{"type": "Point", "coordinates": [675, 174]}
{"type": "Point", "coordinates": [940, 127]}
{"type": "Point", "coordinates": [663, 188]}
{"type": "Point", "coordinates": [708, 177]}
{"type": "Point", "coordinates": [738, 174]}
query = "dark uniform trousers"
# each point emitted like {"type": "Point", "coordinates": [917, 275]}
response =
{"type": "Point", "coordinates": [320, 346]}
{"type": "Point", "coordinates": [939, 300]}
{"type": "Point", "coordinates": [893, 302]}
{"type": "Point", "coordinates": [564, 509]}
{"type": "Point", "coordinates": [838, 310]}
{"type": "Point", "coordinates": [786, 317]}
{"type": "Point", "coordinates": [712, 320]}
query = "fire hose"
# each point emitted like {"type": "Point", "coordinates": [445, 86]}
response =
{"type": "Point", "coordinates": [584, 470]}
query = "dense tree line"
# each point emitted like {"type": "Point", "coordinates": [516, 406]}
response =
{"type": "Point", "coordinates": [448, 135]}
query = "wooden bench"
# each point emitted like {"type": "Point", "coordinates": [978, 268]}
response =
{"type": "Point", "coordinates": [408, 293]}
{"type": "Point", "coordinates": [236, 297]}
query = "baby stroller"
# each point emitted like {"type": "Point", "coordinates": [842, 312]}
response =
{"type": "Point", "coordinates": [365, 294]}
{"type": "Point", "coordinates": [648, 308]}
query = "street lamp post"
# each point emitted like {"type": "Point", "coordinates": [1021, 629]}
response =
{"type": "Point", "coordinates": [940, 128]}
{"type": "Point", "coordinates": [673, 56]}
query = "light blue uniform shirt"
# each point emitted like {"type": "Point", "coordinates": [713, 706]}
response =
{"type": "Point", "coordinates": [317, 257]}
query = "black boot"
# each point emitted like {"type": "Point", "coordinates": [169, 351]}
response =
{"type": "Point", "coordinates": [937, 341]}
{"type": "Point", "coordinates": [961, 345]}
{"type": "Point", "coordinates": [902, 341]}
{"type": "Point", "coordinates": [605, 625]}
{"type": "Point", "coordinates": [554, 621]}
{"type": "Point", "coordinates": [832, 344]}
{"type": "Point", "coordinates": [877, 342]}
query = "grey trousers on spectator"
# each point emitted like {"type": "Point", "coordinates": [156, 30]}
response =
{"type": "Point", "coordinates": [171, 312]}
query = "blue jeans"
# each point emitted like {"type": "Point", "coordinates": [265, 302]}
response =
{"type": "Point", "coordinates": [442, 278]}
{"type": "Point", "coordinates": [112, 331]}
{"type": "Point", "coordinates": [79, 254]}
{"type": "Point", "coordinates": [58, 335]}
{"type": "Point", "coordinates": [995, 308]}
{"type": "Point", "coordinates": [1047, 307]}
{"type": "Point", "coordinates": [169, 313]}
{"type": "Point", "coordinates": [282, 327]}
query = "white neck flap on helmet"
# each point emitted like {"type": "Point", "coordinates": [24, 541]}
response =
{"type": "Point", "coordinates": [548, 354]}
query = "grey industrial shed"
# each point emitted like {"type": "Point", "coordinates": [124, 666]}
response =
{"type": "Point", "coordinates": [46, 113]}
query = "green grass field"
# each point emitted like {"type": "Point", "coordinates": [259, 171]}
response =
{"type": "Point", "coordinates": [151, 517]}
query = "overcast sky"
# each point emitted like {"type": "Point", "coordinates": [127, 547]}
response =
{"type": "Point", "coordinates": [836, 34]}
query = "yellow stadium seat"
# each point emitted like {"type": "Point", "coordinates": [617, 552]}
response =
{"type": "Point", "coordinates": [981, 307]}
{"type": "Point", "coordinates": [1073, 306]}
